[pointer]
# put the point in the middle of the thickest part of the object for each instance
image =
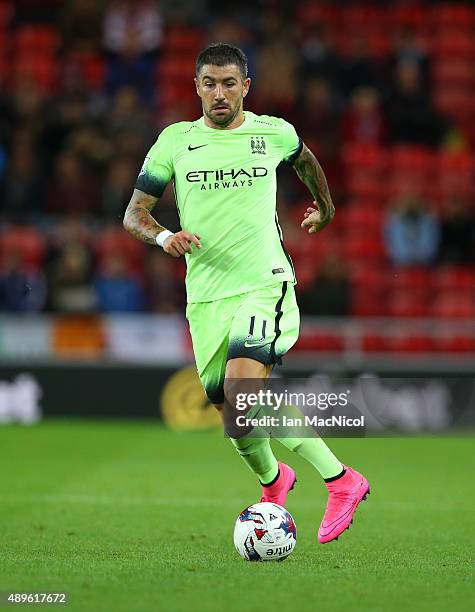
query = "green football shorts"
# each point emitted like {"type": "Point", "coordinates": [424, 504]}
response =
{"type": "Point", "coordinates": [262, 325]}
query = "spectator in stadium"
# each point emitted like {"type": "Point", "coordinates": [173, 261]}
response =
{"type": "Point", "coordinates": [407, 48]}
{"type": "Point", "coordinates": [364, 122]}
{"type": "Point", "coordinates": [32, 11]}
{"type": "Point", "coordinates": [24, 188]}
{"type": "Point", "coordinates": [330, 293]}
{"type": "Point", "coordinates": [71, 229]}
{"type": "Point", "coordinates": [412, 117]}
{"type": "Point", "coordinates": [276, 95]}
{"type": "Point", "coordinates": [360, 68]}
{"type": "Point", "coordinates": [319, 58]}
{"type": "Point", "coordinates": [21, 290]}
{"type": "Point", "coordinates": [318, 118]}
{"type": "Point", "coordinates": [71, 189]}
{"type": "Point", "coordinates": [457, 244]}
{"type": "Point", "coordinates": [164, 286]}
{"type": "Point", "coordinates": [412, 232]}
{"type": "Point", "coordinates": [65, 115]}
{"type": "Point", "coordinates": [132, 36]}
{"type": "Point", "coordinates": [142, 17]}
{"type": "Point", "coordinates": [70, 287]}
{"type": "Point", "coordinates": [116, 289]}
{"type": "Point", "coordinates": [28, 104]}
{"type": "Point", "coordinates": [128, 114]}
{"type": "Point", "coordinates": [230, 29]}
{"type": "Point", "coordinates": [120, 175]}
{"type": "Point", "coordinates": [81, 26]}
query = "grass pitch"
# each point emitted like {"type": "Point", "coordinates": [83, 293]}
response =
{"type": "Point", "coordinates": [131, 517]}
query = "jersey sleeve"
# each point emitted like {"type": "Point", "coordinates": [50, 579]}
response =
{"type": "Point", "coordinates": [291, 143]}
{"type": "Point", "coordinates": [157, 169]}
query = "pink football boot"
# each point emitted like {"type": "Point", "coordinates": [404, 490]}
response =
{"type": "Point", "coordinates": [345, 494]}
{"type": "Point", "coordinates": [277, 492]}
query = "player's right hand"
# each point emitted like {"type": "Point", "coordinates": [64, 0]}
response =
{"type": "Point", "coordinates": [180, 243]}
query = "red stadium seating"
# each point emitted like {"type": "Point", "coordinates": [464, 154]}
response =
{"type": "Point", "coordinates": [182, 40]}
{"type": "Point", "coordinates": [411, 344]}
{"type": "Point", "coordinates": [451, 72]}
{"type": "Point", "coordinates": [115, 240]}
{"type": "Point", "coordinates": [411, 280]}
{"type": "Point", "coordinates": [456, 344]}
{"type": "Point", "coordinates": [455, 279]}
{"type": "Point", "coordinates": [27, 242]}
{"type": "Point", "coordinates": [32, 39]}
{"type": "Point", "coordinates": [320, 341]}
{"type": "Point", "coordinates": [449, 305]}
{"type": "Point", "coordinates": [407, 305]}
{"type": "Point", "coordinates": [460, 16]}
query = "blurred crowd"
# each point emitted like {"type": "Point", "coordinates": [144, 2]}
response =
{"type": "Point", "coordinates": [92, 83]}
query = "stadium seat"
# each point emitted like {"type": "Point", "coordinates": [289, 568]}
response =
{"type": "Point", "coordinates": [369, 279]}
{"type": "Point", "coordinates": [363, 221]}
{"type": "Point", "coordinates": [6, 14]}
{"type": "Point", "coordinates": [320, 342]}
{"type": "Point", "coordinates": [411, 158]}
{"type": "Point", "coordinates": [368, 303]}
{"type": "Point", "coordinates": [453, 72]}
{"type": "Point", "coordinates": [445, 15]}
{"type": "Point", "coordinates": [116, 240]}
{"type": "Point", "coordinates": [456, 344]}
{"type": "Point", "coordinates": [408, 16]}
{"type": "Point", "coordinates": [411, 344]}
{"type": "Point", "coordinates": [37, 39]}
{"type": "Point", "coordinates": [407, 305]}
{"type": "Point", "coordinates": [373, 343]}
{"type": "Point", "coordinates": [93, 69]}
{"type": "Point", "coordinates": [27, 241]}
{"type": "Point", "coordinates": [311, 13]}
{"type": "Point", "coordinates": [364, 157]}
{"type": "Point", "coordinates": [454, 43]}
{"type": "Point", "coordinates": [182, 40]}
{"type": "Point", "coordinates": [455, 278]}
{"type": "Point", "coordinates": [361, 248]}
{"type": "Point", "coordinates": [42, 69]}
{"type": "Point", "coordinates": [450, 305]}
{"type": "Point", "coordinates": [456, 102]}
{"type": "Point", "coordinates": [413, 281]}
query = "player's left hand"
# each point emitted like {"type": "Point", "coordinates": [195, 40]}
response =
{"type": "Point", "coordinates": [313, 220]}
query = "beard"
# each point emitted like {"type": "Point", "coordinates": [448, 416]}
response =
{"type": "Point", "coordinates": [225, 120]}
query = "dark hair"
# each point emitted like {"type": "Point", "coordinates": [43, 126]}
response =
{"type": "Point", "coordinates": [222, 54]}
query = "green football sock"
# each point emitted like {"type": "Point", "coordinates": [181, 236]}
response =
{"type": "Point", "coordinates": [316, 452]}
{"type": "Point", "coordinates": [258, 456]}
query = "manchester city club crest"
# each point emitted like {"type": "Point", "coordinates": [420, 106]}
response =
{"type": "Point", "coordinates": [258, 145]}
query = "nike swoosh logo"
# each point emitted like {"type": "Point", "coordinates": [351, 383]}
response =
{"type": "Point", "coordinates": [256, 344]}
{"type": "Point", "coordinates": [190, 148]}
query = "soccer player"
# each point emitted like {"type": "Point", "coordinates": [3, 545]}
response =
{"type": "Point", "coordinates": [241, 308]}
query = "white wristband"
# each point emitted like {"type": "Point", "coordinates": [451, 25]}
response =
{"type": "Point", "coordinates": [162, 236]}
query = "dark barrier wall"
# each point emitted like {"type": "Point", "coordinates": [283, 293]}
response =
{"type": "Point", "coordinates": [129, 391]}
{"type": "Point", "coordinates": [88, 391]}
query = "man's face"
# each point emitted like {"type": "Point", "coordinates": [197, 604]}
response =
{"type": "Point", "coordinates": [221, 89]}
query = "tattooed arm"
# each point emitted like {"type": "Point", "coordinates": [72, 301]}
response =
{"type": "Point", "coordinates": [310, 172]}
{"type": "Point", "coordinates": [139, 222]}
{"type": "Point", "coordinates": [138, 219]}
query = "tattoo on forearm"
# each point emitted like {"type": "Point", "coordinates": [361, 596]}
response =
{"type": "Point", "coordinates": [138, 219]}
{"type": "Point", "coordinates": [310, 172]}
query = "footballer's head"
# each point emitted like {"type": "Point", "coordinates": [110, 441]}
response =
{"type": "Point", "coordinates": [221, 82]}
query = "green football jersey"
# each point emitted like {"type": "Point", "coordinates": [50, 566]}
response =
{"type": "Point", "coordinates": [225, 186]}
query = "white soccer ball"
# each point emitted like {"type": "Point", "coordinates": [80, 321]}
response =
{"type": "Point", "coordinates": [265, 532]}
